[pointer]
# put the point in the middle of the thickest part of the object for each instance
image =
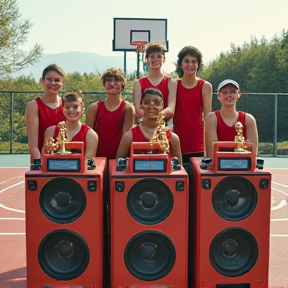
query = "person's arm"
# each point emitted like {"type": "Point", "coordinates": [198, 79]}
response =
{"type": "Point", "coordinates": [210, 134]}
{"type": "Point", "coordinates": [136, 99]}
{"type": "Point", "coordinates": [91, 143]}
{"type": "Point", "coordinates": [170, 109]}
{"type": "Point", "coordinates": [124, 146]}
{"type": "Point", "coordinates": [91, 115]}
{"type": "Point", "coordinates": [32, 128]}
{"type": "Point", "coordinates": [175, 148]}
{"type": "Point", "coordinates": [251, 130]}
{"type": "Point", "coordinates": [129, 117]}
{"type": "Point", "coordinates": [207, 98]}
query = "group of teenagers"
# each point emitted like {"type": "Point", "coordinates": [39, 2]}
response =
{"type": "Point", "coordinates": [110, 126]}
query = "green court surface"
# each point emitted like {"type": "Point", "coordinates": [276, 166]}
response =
{"type": "Point", "coordinates": [22, 160]}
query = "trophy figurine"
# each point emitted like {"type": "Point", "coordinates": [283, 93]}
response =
{"type": "Point", "coordinates": [159, 135]}
{"type": "Point", "coordinates": [49, 146]}
{"type": "Point", "coordinates": [62, 139]}
{"type": "Point", "coordinates": [239, 139]}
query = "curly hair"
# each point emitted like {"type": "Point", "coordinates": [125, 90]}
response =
{"type": "Point", "coordinates": [188, 50]}
{"type": "Point", "coordinates": [154, 47]}
{"type": "Point", "coordinates": [75, 95]}
{"type": "Point", "coordinates": [55, 68]}
{"type": "Point", "coordinates": [115, 73]}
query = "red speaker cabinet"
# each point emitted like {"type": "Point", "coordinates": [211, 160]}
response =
{"type": "Point", "coordinates": [232, 220]}
{"type": "Point", "coordinates": [65, 222]}
{"type": "Point", "coordinates": [149, 220]}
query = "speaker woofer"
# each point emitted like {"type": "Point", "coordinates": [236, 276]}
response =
{"type": "Point", "coordinates": [62, 200]}
{"type": "Point", "coordinates": [233, 252]}
{"type": "Point", "coordinates": [234, 198]}
{"type": "Point", "coordinates": [149, 255]}
{"type": "Point", "coordinates": [63, 254]}
{"type": "Point", "coordinates": [150, 201]}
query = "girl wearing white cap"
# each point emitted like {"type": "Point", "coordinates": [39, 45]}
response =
{"type": "Point", "coordinates": [219, 125]}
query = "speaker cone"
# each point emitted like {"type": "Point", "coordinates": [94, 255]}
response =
{"type": "Point", "coordinates": [234, 198]}
{"type": "Point", "coordinates": [62, 200]}
{"type": "Point", "coordinates": [150, 201]}
{"type": "Point", "coordinates": [233, 252]}
{"type": "Point", "coordinates": [149, 255]}
{"type": "Point", "coordinates": [63, 254]}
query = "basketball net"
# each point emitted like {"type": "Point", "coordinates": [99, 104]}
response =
{"type": "Point", "coordinates": [140, 46]}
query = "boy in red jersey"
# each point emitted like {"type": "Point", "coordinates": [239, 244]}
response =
{"type": "Point", "coordinates": [44, 111]}
{"type": "Point", "coordinates": [155, 57]}
{"type": "Point", "coordinates": [73, 110]}
{"type": "Point", "coordinates": [111, 117]}
{"type": "Point", "coordinates": [152, 104]}
{"type": "Point", "coordinates": [194, 98]}
{"type": "Point", "coordinates": [220, 124]}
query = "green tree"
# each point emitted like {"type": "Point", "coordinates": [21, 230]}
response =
{"type": "Point", "coordinates": [13, 34]}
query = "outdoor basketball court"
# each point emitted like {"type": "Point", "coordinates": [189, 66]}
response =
{"type": "Point", "coordinates": [12, 221]}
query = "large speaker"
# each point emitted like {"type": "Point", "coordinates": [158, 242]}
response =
{"type": "Point", "coordinates": [232, 220]}
{"type": "Point", "coordinates": [149, 221]}
{"type": "Point", "coordinates": [64, 223]}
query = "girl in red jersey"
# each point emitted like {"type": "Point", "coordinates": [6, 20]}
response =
{"type": "Point", "coordinates": [219, 125]}
{"type": "Point", "coordinates": [44, 111]}
{"type": "Point", "coordinates": [111, 117]}
{"type": "Point", "coordinates": [194, 97]}
{"type": "Point", "coordinates": [155, 57]}
{"type": "Point", "coordinates": [73, 110]}
{"type": "Point", "coordinates": [152, 104]}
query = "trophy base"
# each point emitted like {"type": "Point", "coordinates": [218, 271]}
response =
{"type": "Point", "coordinates": [63, 153]}
{"type": "Point", "coordinates": [241, 151]}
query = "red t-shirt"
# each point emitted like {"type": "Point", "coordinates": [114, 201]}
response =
{"type": "Point", "coordinates": [109, 127]}
{"type": "Point", "coordinates": [162, 86]}
{"type": "Point", "coordinates": [227, 133]}
{"type": "Point", "coordinates": [80, 136]}
{"type": "Point", "coordinates": [138, 136]}
{"type": "Point", "coordinates": [47, 117]}
{"type": "Point", "coordinates": [187, 121]}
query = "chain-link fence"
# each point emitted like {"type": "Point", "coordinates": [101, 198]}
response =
{"type": "Point", "coordinates": [269, 109]}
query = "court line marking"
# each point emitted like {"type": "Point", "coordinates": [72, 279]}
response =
{"type": "Point", "coordinates": [280, 191]}
{"type": "Point", "coordinates": [11, 209]}
{"type": "Point", "coordinates": [277, 183]}
{"type": "Point", "coordinates": [11, 179]}
{"type": "Point", "coordinates": [9, 187]}
{"type": "Point", "coordinates": [282, 204]}
{"type": "Point", "coordinates": [12, 218]}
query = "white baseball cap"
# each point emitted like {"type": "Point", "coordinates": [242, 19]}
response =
{"type": "Point", "coordinates": [226, 82]}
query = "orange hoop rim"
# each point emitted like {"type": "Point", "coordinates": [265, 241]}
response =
{"type": "Point", "coordinates": [140, 46]}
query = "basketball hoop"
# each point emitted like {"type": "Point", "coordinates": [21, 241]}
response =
{"type": "Point", "coordinates": [140, 46]}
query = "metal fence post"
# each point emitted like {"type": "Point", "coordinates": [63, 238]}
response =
{"type": "Point", "coordinates": [11, 123]}
{"type": "Point", "coordinates": [275, 139]}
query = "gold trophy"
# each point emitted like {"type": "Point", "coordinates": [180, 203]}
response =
{"type": "Point", "coordinates": [62, 139]}
{"type": "Point", "coordinates": [239, 139]}
{"type": "Point", "coordinates": [159, 135]}
{"type": "Point", "coordinates": [49, 146]}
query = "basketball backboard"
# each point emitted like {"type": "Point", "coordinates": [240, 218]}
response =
{"type": "Point", "coordinates": [128, 30]}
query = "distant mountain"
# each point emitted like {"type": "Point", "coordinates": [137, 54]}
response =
{"type": "Point", "coordinates": [77, 61]}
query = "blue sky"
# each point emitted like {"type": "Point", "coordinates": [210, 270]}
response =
{"type": "Point", "coordinates": [210, 25]}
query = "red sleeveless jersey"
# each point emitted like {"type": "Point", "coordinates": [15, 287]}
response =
{"type": "Point", "coordinates": [138, 136]}
{"type": "Point", "coordinates": [47, 117]}
{"type": "Point", "coordinates": [227, 133]}
{"type": "Point", "coordinates": [187, 121]}
{"type": "Point", "coordinates": [109, 127]}
{"type": "Point", "coordinates": [162, 86]}
{"type": "Point", "coordinates": [80, 136]}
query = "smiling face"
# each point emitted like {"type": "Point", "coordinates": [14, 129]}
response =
{"type": "Point", "coordinates": [155, 60]}
{"type": "Point", "coordinates": [113, 85]}
{"type": "Point", "coordinates": [152, 105]}
{"type": "Point", "coordinates": [228, 95]}
{"type": "Point", "coordinates": [73, 106]}
{"type": "Point", "coordinates": [52, 82]}
{"type": "Point", "coordinates": [189, 64]}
